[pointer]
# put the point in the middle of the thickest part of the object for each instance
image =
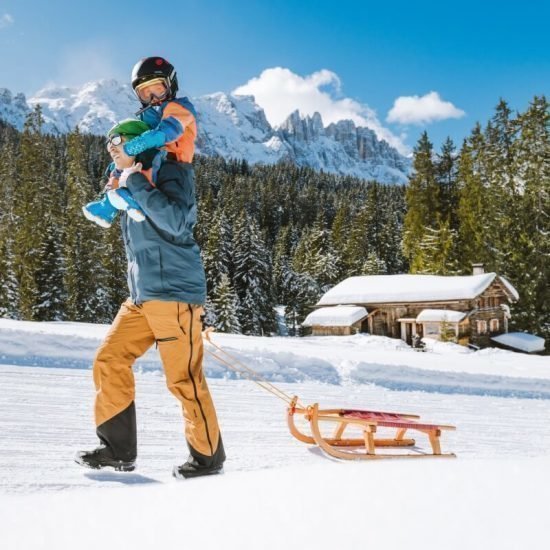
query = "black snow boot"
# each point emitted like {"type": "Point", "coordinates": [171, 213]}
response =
{"type": "Point", "coordinates": [103, 457]}
{"type": "Point", "coordinates": [199, 465]}
{"type": "Point", "coordinates": [192, 469]}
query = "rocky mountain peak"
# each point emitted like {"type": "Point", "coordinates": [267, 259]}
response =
{"type": "Point", "coordinates": [232, 126]}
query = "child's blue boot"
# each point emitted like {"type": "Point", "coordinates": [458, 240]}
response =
{"type": "Point", "coordinates": [101, 212]}
{"type": "Point", "coordinates": [122, 199]}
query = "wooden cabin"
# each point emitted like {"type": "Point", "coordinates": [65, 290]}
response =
{"type": "Point", "coordinates": [466, 309]}
{"type": "Point", "coordinates": [336, 321]}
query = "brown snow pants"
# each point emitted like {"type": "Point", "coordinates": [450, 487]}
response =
{"type": "Point", "coordinates": [176, 328]}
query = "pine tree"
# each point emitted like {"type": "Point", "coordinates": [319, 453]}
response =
{"type": "Point", "coordinates": [82, 240]}
{"type": "Point", "coordinates": [304, 294]}
{"type": "Point", "coordinates": [111, 287]}
{"type": "Point", "coordinates": [374, 217]}
{"type": "Point", "coordinates": [423, 204]}
{"type": "Point", "coordinates": [340, 228]}
{"type": "Point", "coordinates": [446, 174]}
{"type": "Point", "coordinates": [210, 315]}
{"type": "Point", "coordinates": [473, 204]}
{"type": "Point", "coordinates": [29, 214]}
{"type": "Point", "coordinates": [391, 250]}
{"type": "Point", "coordinates": [9, 296]}
{"type": "Point", "coordinates": [217, 253]}
{"type": "Point", "coordinates": [356, 249]}
{"type": "Point", "coordinates": [282, 268]}
{"type": "Point", "coordinates": [503, 194]}
{"type": "Point", "coordinates": [253, 278]}
{"type": "Point", "coordinates": [528, 265]}
{"type": "Point", "coordinates": [438, 250]}
{"type": "Point", "coordinates": [50, 304]}
{"type": "Point", "coordinates": [320, 259]}
{"type": "Point", "coordinates": [226, 307]}
{"type": "Point", "coordinates": [373, 265]}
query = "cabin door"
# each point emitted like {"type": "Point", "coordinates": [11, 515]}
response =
{"type": "Point", "coordinates": [408, 330]}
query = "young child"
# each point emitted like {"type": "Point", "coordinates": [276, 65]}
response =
{"type": "Point", "coordinates": [172, 120]}
{"type": "Point", "coordinates": [171, 125]}
{"type": "Point", "coordinates": [117, 197]}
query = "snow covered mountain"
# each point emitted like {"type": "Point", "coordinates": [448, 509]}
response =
{"type": "Point", "coordinates": [229, 126]}
{"type": "Point", "coordinates": [13, 109]}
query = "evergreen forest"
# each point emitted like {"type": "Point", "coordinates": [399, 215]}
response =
{"type": "Point", "coordinates": [283, 234]}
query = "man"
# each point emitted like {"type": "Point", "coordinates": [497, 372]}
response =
{"type": "Point", "coordinates": [167, 289]}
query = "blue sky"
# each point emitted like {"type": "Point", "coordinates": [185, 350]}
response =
{"type": "Point", "coordinates": [346, 57]}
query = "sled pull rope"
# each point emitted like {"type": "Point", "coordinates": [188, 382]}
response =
{"type": "Point", "coordinates": [239, 367]}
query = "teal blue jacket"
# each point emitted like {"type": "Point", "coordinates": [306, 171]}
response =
{"type": "Point", "coordinates": [164, 261]}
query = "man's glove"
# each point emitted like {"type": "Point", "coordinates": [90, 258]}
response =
{"type": "Point", "coordinates": [126, 173]}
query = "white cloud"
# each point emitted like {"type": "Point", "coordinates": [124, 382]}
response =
{"type": "Point", "coordinates": [422, 110]}
{"type": "Point", "coordinates": [6, 20]}
{"type": "Point", "coordinates": [279, 92]}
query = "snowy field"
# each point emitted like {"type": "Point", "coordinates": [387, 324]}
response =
{"type": "Point", "coordinates": [275, 490]}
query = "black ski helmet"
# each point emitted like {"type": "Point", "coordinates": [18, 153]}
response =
{"type": "Point", "coordinates": [149, 68]}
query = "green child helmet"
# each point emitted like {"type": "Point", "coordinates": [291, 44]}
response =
{"type": "Point", "coordinates": [129, 128]}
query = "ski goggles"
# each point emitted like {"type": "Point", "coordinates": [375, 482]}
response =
{"type": "Point", "coordinates": [115, 139]}
{"type": "Point", "coordinates": [155, 89]}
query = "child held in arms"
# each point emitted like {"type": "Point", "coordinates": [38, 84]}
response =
{"type": "Point", "coordinates": [169, 124]}
{"type": "Point", "coordinates": [117, 196]}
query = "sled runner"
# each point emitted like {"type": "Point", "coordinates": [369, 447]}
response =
{"type": "Point", "coordinates": [367, 422]}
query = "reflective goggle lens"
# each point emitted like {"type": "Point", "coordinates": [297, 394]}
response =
{"type": "Point", "coordinates": [152, 89]}
{"type": "Point", "coordinates": [115, 139]}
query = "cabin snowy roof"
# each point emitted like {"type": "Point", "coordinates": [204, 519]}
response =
{"type": "Point", "coordinates": [520, 340]}
{"type": "Point", "coordinates": [338, 316]}
{"type": "Point", "coordinates": [378, 289]}
{"type": "Point", "coordinates": [440, 315]}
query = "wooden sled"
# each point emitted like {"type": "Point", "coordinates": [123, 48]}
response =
{"type": "Point", "coordinates": [368, 422]}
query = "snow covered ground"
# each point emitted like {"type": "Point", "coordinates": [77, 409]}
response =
{"type": "Point", "coordinates": [276, 491]}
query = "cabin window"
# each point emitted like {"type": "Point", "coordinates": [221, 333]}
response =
{"type": "Point", "coordinates": [495, 325]}
{"type": "Point", "coordinates": [481, 327]}
{"type": "Point", "coordinates": [431, 329]}
{"type": "Point", "coordinates": [488, 302]}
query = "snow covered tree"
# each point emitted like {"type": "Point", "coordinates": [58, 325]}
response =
{"type": "Point", "coordinates": [473, 205]}
{"type": "Point", "coordinates": [111, 287]}
{"type": "Point", "coordinates": [82, 242]}
{"type": "Point", "coordinates": [9, 286]}
{"type": "Point", "coordinates": [503, 189]}
{"type": "Point", "coordinates": [373, 265]}
{"type": "Point", "coordinates": [318, 257]}
{"type": "Point", "coordinates": [29, 214]}
{"type": "Point", "coordinates": [303, 295]}
{"type": "Point", "coordinates": [438, 250]}
{"type": "Point", "coordinates": [528, 262]}
{"type": "Point", "coordinates": [423, 204]}
{"type": "Point", "coordinates": [210, 316]}
{"type": "Point", "coordinates": [8, 282]}
{"type": "Point", "coordinates": [252, 278]}
{"type": "Point", "coordinates": [226, 307]}
{"type": "Point", "coordinates": [282, 267]}
{"type": "Point", "coordinates": [340, 228]}
{"type": "Point", "coordinates": [50, 305]}
{"type": "Point", "coordinates": [356, 250]}
{"type": "Point", "coordinates": [217, 253]}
